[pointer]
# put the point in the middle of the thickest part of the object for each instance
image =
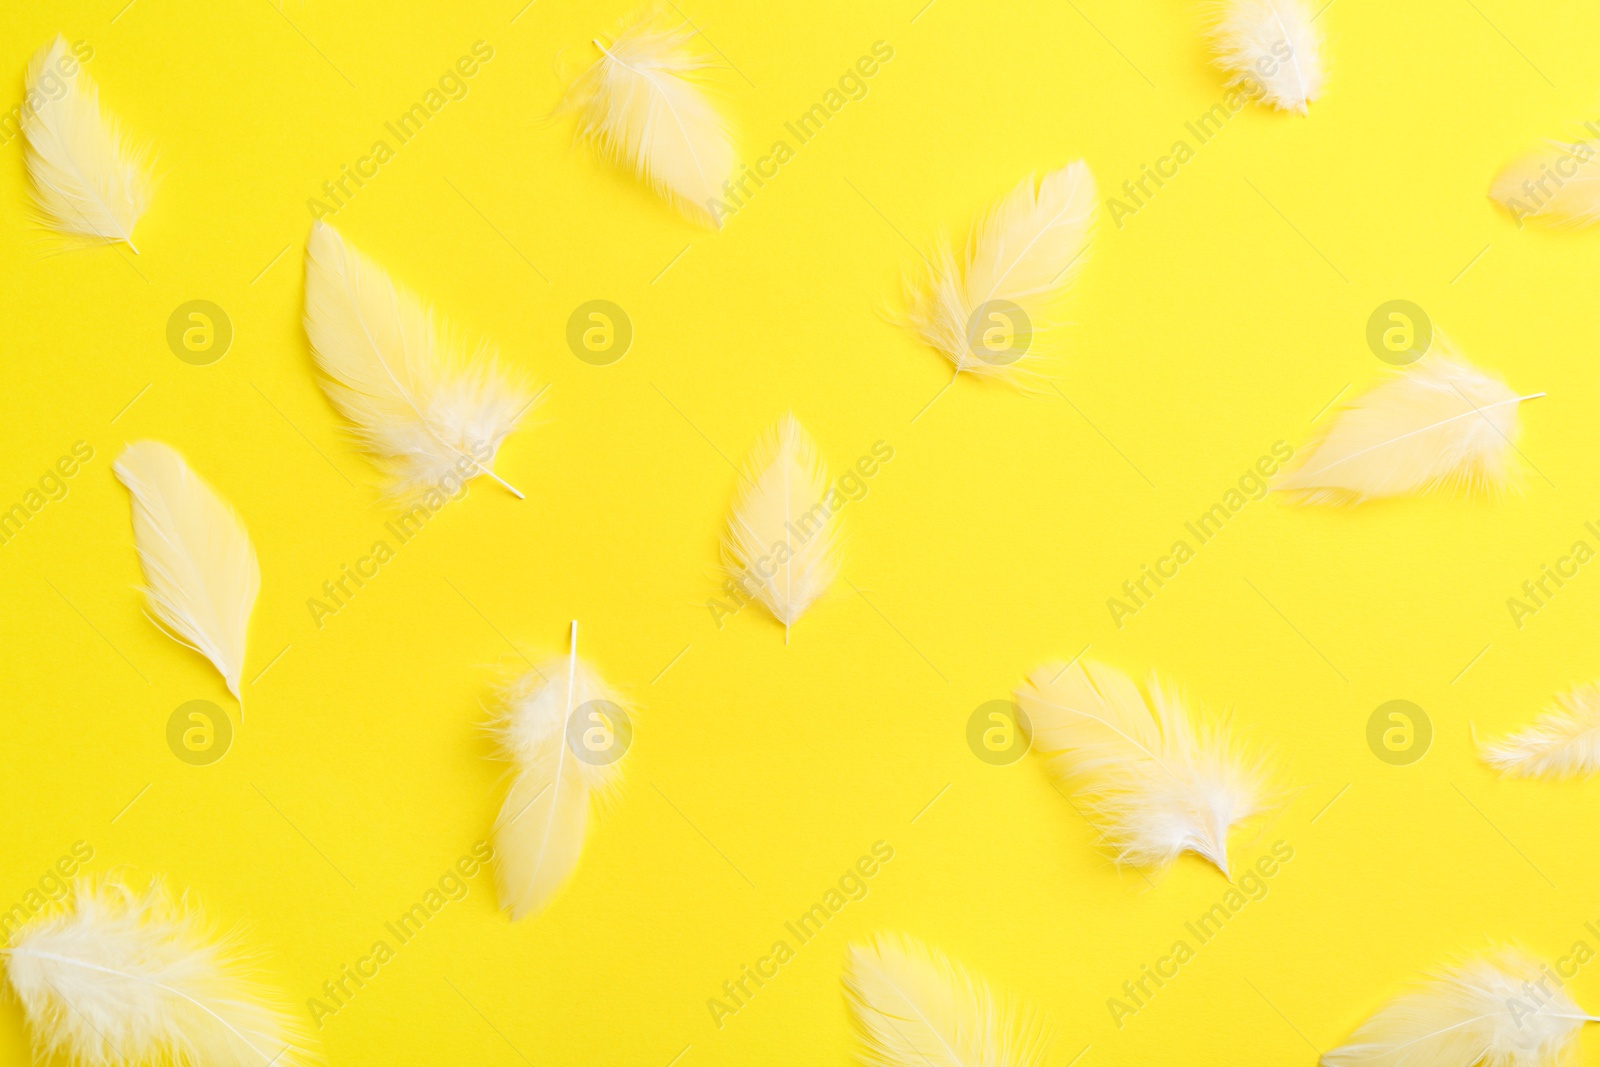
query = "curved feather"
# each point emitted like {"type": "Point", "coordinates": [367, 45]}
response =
{"type": "Point", "coordinates": [122, 977]}
{"type": "Point", "coordinates": [643, 106]}
{"type": "Point", "coordinates": [432, 416]}
{"type": "Point", "coordinates": [1498, 1011]}
{"type": "Point", "coordinates": [782, 540]}
{"type": "Point", "coordinates": [199, 566]}
{"type": "Point", "coordinates": [915, 1007]}
{"type": "Point", "coordinates": [1558, 185]}
{"type": "Point", "coordinates": [1023, 255]}
{"type": "Point", "coordinates": [1272, 49]}
{"type": "Point", "coordinates": [1440, 422]}
{"type": "Point", "coordinates": [1155, 784]}
{"type": "Point", "coordinates": [539, 834]}
{"type": "Point", "coordinates": [89, 179]}
{"type": "Point", "coordinates": [1564, 742]}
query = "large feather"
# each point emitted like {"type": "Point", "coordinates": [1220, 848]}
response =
{"type": "Point", "coordinates": [782, 540]}
{"type": "Point", "coordinates": [1558, 185]}
{"type": "Point", "coordinates": [1154, 783]}
{"type": "Point", "coordinates": [1023, 256]}
{"type": "Point", "coordinates": [915, 1007]}
{"type": "Point", "coordinates": [1439, 422]}
{"type": "Point", "coordinates": [200, 570]}
{"type": "Point", "coordinates": [89, 179]}
{"type": "Point", "coordinates": [1498, 1011]}
{"type": "Point", "coordinates": [122, 977]}
{"type": "Point", "coordinates": [1564, 742]}
{"type": "Point", "coordinates": [539, 834]}
{"type": "Point", "coordinates": [432, 415]}
{"type": "Point", "coordinates": [1272, 49]}
{"type": "Point", "coordinates": [642, 104]}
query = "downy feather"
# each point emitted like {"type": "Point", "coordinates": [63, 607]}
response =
{"type": "Point", "coordinates": [644, 106]}
{"type": "Point", "coordinates": [1537, 186]}
{"type": "Point", "coordinates": [431, 415]}
{"type": "Point", "coordinates": [992, 314]}
{"type": "Point", "coordinates": [200, 569]}
{"type": "Point", "coordinates": [916, 1007]}
{"type": "Point", "coordinates": [1438, 423]}
{"type": "Point", "coordinates": [556, 780]}
{"type": "Point", "coordinates": [1564, 742]}
{"type": "Point", "coordinates": [89, 179]}
{"type": "Point", "coordinates": [782, 540]}
{"type": "Point", "coordinates": [1272, 49]}
{"type": "Point", "coordinates": [1153, 782]}
{"type": "Point", "coordinates": [1495, 1011]}
{"type": "Point", "coordinates": [115, 976]}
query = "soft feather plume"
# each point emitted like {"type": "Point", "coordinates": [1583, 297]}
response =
{"type": "Point", "coordinates": [643, 105]}
{"type": "Point", "coordinates": [1497, 1011]}
{"type": "Point", "coordinates": [782, 540]}
{"type": "Point", "coordinates": [1023, 256]}
{"type": "Point", "coordinates": [916, 1007]}
{"type": "Point", "coordinates": [1272, 49]}
{"type": "Point", "coordinates": [539, 833]}
{"type": "Point", "coordinates": [1564, 742]}
{"type": "Point", "coordinates": [1156, 785]}
{"type": "Point", "coordinates": [432, 416]}
{"type": "Point", "coordinates": [199, 566]}
{"type": "Point", "coordinates": [1438, 423]}
{"type": "Point", "coordinates": [1539, 185]}
{"type": "Point", "coordinates": [89, 179]}
{"type": "Point", "coordinates": [122, 977]}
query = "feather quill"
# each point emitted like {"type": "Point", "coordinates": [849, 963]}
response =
{"type": "Point", "coordinates": [1155, 783]}
{"type": "Point", "coordinates": [122, 977]}
{"type": "Point", "coordinates": [1272, 49]}
{"type": "Point", "coordinates": [1538, 185]}
{"type": "Point", "coordinates": [1564, 742]}
{"type": "Point", "coordinates": [200, 571]}
{"type": "Point", "coordinates": [89, 179]}
{"type": "Point", "coordinates": [539, 834]}
{"type": "Point", "coordinates": [782, 541]}
{"type": "Point", "coordinates": [432, 416]}
{"type": "Point", "coordinates": [644, 106]}
{"type": "Point", "coordinates": [988, 313]}
{"type": "Point", "coordinates": [915, 1007]}
{"type": "Point", "coordinates": [1495, 1011]}
{"type": "Point", "coordinates": [1438, 423]}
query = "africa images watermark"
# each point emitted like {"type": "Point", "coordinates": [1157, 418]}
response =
{"type": "Point", "coordinates": [52, 85]}
{"type": "Point", "coordinates": [1554, 175]}
{"type": "Point", "coordinates": [1537, 592]}
{"type": "Point", "coordinates": [51, 487]}
{"type": "Point", "coordinates": [54, 884]}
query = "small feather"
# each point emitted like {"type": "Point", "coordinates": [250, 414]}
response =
{"type": "Point", "coordinates": [1558, 185]}
{"type": "Point", "coordinates": [1272, 49]}
{"type": "Point", "coordinates": [1564, 742]}
{"type": "Point", "coordinates": [89, 179]}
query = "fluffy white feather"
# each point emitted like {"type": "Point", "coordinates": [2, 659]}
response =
{"type": "Point", "coordinates": [432, 415]}
{"type": "Point", "coordinates": [915, 1007]}
{"type": "Point", "coordinates": [782, 540]}
{"type": "Point", "coordinates": [539, 834]}
{"type": "Point", "coordinates": [1564, 742]}
{"type": "Point", "coordinates": [1272, 49]}
{"type": "Point", "coordinates": [89, 179]}
{"type": "Point", "coordinates": [1153, 782]}
{"type": "Point", "coordinates": [1023, 255]}
{"type": "Point", "coordinates": [1558, 185]}
{"type": "Point", "coordinates": [1438, 423]}
{"type": "Point", "coordinates": [644, 106]}
{"type": "Point", "coordinates": [1497, 1011]}
{"type": "Point", "coordinates": [200, 569]}
{"type": "Point", "coordinates": [122, 977]}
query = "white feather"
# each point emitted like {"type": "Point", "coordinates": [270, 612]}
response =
{"type": "Point", "coordinates": [1154, 783]}
{"type": "Point", "coordinates": [432, 415]}
{"type": "Point", "coordinates": [643, 105]}
{"type": "Point", "coordinates": [121, 977]}
{"type": "Point", "coordinates": [199, 566]}
{"type": "Point", "coordinates": [915, 1007]}
{"type": "Point", "coordinates": [1564, 742]}
{"type": "Point", "coordinates": [1438, 423]}
{"type": "Point", "coordinates": [1272, 49]}
{"type": "Point", "coordinates": [1558, 185]}
{"type": "Point", "coordinates": [89, 179]}
{"type": "Point", "coordinates": [782, 539]}
{"type": "Point", "coordinates": [1024, 254]}
{"type": "Point", "coordinates": [539, 834]}
{"type": "Point", "coordinates": [1499, 1011]}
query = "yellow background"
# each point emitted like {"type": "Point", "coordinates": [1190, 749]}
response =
{"type": "Point", "coordinates": [1219, 319]}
